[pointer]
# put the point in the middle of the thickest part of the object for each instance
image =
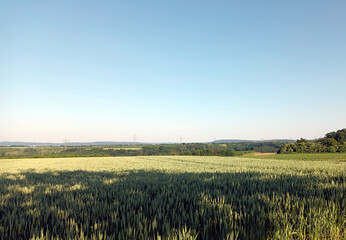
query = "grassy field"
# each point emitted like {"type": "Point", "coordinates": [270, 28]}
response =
{"type": "Point", "coordinates": [302, 156]}
{"type": "Point", "coordinates": [173, 197]}
{"type": "Point", "coordinates": [126, 148]}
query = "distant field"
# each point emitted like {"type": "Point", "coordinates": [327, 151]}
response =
{"type": "Point", "coordinates": [172, 197]}
{"type": "Point", "coordinates": [126, 148]}
{"type": "Point", "coordinates": [302, 156]}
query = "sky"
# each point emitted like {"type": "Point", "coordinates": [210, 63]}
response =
{"type": "Point", "coordinates": [203, 70]}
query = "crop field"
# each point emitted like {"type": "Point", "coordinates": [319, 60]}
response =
{"type": "Point", "coordinates": [172, 197]}
{"type": "Point", "coordinates": [303, 156]}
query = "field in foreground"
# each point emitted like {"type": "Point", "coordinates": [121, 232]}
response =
{"type": "Point", "coordinates": [173, 197]}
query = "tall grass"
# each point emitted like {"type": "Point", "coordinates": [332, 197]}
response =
{"type": "Point", "coordinates": [172, 198]}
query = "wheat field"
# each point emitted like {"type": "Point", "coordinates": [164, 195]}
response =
{"type": "Point", "coordinates": [172, 197]}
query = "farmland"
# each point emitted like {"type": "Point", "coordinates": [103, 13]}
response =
{"type": "Point", "coordinates": [195, 149]}
{"type": "Point", "coordinates": [173, 197]}
{"type": "Point", "coordinates": [302, 156]}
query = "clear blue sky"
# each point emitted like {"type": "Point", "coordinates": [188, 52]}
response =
{"type": "Point", "coordinates": [108, 70]}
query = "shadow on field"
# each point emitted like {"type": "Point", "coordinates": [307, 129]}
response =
{"type": "Point", "coordinates": [152, 204]}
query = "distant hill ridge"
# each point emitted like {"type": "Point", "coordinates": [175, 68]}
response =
{"type": "Point", "coordinates": [241, 140]}
{"type": "Point", "coordinates": [99, 143]}
{"type": "Point", "coordinates": [68, 143]}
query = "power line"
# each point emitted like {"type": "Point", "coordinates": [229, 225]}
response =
{"type": "Point", "coordinates": [134, 138]}
{"type": "Point", "coordinates": [65, 143]}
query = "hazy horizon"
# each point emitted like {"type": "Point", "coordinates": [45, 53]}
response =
{"type": "Point", "coordinates": [177, 140]}
{"type": "Point", "coordinates": [105, 71]}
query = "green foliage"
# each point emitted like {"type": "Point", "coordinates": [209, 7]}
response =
{"type": "Point", "coordinates": [302, 140]}
{"type": "Point", "coordinates": [342, 149]}
{"type": "Point", "coordinates": [172, 197]}
{"type": "Point", "coordinates": [264, 147]}
{"type": "Point", "coordinates": [329, 142]}
{"type": "Point", "coordinates": [331, 149]}
{"type": "Point", "coordinates": [195, 149]}
{"type": "Point", "coordinates": [339, 135]}
{"type": "Point", "coordinates": [332, 142]}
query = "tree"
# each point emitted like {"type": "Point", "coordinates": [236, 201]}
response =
{"type": "Point", "coordinates": [329, 142]}
{"type": "Point", "coordinates": [342, 149]}
{"type": "Point", "coordinates": [331, 149]}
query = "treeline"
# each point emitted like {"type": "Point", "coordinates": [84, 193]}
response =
{"type": "Point", "coordinates": [332, 142]}
{"type": "Point", "coordinates": [58, 152]}
{"type": "Point", "coordinates": [195, 149]}
{"type": "Point", "coordinates": [263, 147]}
{"type": "Point", "coordinates": [201, 149]}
